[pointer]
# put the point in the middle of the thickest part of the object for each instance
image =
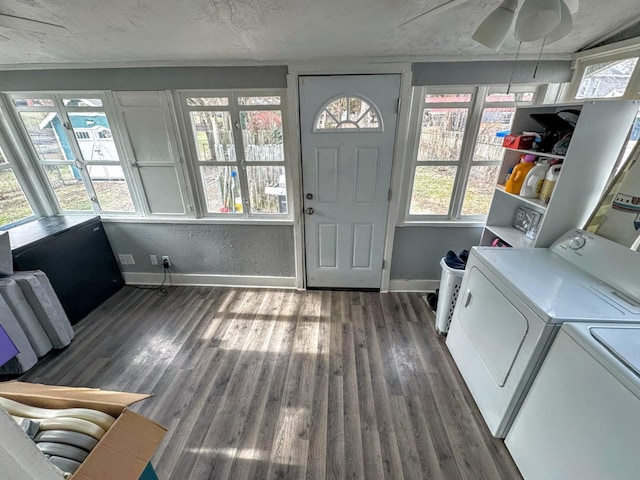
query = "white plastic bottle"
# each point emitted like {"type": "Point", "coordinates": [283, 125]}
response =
{"type": "Point", "coordinates": [533, 181]}
{"type": "Point", "coordinates": [549, 184]}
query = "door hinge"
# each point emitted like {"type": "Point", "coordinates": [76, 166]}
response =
{"type": "Point", "coordinates": [398, 105]}
{"type": "Point", "coordinates": [384, 262]}
{"type": "Point", "coordinates": [389, 195]}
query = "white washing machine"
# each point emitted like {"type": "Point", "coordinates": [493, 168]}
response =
{"type": "Point", "coordinates": [512, 303]}
{"type": "Point", "coordinates": [581, 418]}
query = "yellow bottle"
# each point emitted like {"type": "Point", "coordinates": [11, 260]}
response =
{"type": "Point", "coordinates": [514, 184]}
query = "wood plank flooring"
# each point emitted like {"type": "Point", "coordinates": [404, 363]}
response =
{"type": "Point", "coordinates": [283, 384]}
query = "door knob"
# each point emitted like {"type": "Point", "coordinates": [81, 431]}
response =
{"type": "Point", "coordinates": [309, 211]}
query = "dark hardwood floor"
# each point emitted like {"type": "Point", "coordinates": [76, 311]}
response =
{"type": "Point", "coordinates": [286, 384]}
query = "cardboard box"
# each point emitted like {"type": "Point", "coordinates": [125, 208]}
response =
{"type": "Point", "coordinates": [124, 451]}
{"type": "Point", "coordinates": [521, 142]}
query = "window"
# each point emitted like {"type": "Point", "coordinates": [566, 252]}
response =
{"type": "Point", "coordinates": [606, 72]}
{"type": "Point", "coordinates": [459, 149]}
{"type": "Point", "coordinates": [238, 151]}
{"type": "Point", "coordinates": [348, 113]}
{"type": "Point", "coordinates": [74, 145]}
{"type": "Point", "coordinates": [606, 80]}
{"type": "Point", "coordinates": [14, 205]}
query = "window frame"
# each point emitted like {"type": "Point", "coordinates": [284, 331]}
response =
{"type": "Point", "coordinates": [80, 162]}
{"type": "Point", "coordinates": [465, 162]}
{"type": "Point", "coordinates": [241, 164]}
{"type": "Point", "coordinates": [25, 185]}
{"type": "Point", "coordinates": [603, 55]}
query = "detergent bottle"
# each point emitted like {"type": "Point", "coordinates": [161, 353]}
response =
{"type": "Point", "coordinates": [514, 184]}
{"type": "Point", "coordinates": [549, 184]}
{"type": "Point", "coordinates": [533, 181]}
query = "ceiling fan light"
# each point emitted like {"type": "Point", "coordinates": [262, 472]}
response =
{"type": "Point", "coordinates": [565, 26]}
{"type": "Point", "coordinates": [536, 19]}
{"type": "Point", "coordinates": [493, 30]}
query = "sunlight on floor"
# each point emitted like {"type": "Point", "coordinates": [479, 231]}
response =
{"type": "Point", "coordinates": [241, 453]}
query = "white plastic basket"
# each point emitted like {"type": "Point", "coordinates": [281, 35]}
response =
{"type": "Point", "coordinates": [449, 288]}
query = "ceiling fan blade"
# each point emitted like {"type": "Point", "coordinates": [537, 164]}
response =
{"type": "Point", "coordinates": [435, 10]}
{"type": "Point", "coordinates": [28, 25]}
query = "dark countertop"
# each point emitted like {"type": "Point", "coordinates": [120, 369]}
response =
{"type": "Point", "coordinates": [32, 232]}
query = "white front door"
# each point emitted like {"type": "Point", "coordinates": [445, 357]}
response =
{"type": "Point", "coordinates": [348, 126]}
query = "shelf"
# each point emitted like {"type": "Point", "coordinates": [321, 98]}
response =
{"type": "Point", "coordinates": [512, 236]}
{"type": "Point", "coordinates": [537, 153]}
{"type": "Point", "coordinates": [536, 202]}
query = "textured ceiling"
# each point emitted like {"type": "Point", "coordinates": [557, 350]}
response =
{"type": "Point", "coordinates": [119, 31]}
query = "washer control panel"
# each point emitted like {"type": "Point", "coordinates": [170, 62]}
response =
{"type": "Point", "coordinates": [610, 262]}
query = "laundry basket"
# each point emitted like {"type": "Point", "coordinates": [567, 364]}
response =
{"type": "Point", "coordinates": [449, 288]}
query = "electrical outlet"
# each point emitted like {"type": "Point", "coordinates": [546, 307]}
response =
{"type": "Point", "coordinates": [166, 261]}
{"type": "Point", "coordinates": [130, 260]}
{"type": "Point", "coordinates": [123, 258]}
{"type": "Point", "coordinates": [154, 259]}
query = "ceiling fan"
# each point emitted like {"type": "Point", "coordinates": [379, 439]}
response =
{"type": "Point", "coordinates": [548, 19]}
{"type": "Point", "coordinates": [29, 25]}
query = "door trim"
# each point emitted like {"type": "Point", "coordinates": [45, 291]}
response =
{"type": "Point", "coordinates": [398, 158]}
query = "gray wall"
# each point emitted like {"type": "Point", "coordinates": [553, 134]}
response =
{"type": "Point", "coordinates": [262, 250]}
{"type": "Point", "coordinates": [417, 250]}
{"type": "Point", "coordinates": [488, 73]}
{"type": "Point", "coordinates": [140, 78]}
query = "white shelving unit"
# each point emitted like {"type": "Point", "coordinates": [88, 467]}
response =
{"type": "Point", "coordinates": [597, 141]}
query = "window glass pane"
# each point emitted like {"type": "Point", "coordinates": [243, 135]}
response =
{"type": "Point", "coordinates": [111, 188]}
{"type": "Point", "coordinates": [67, 185]}
{"type": "Point", "coordinates": [267, 189]}
{"type": "Point", "coordinates": [608, 79]}
{"type": "Point", "coordinates": [258, 100]}
{"type": "Point", "coordinates": [432, 188]}
{"type": "Point", "coordinates": [262, 136]}
{"type": "Point", "coordinates": [47, 135]}
{"type": "Point", "coordinates": [13, 203]}
{"type": "Point", "coordinates": [441, 134]}
{"type": "Point", "coordinates": [33, 102]}
{"type": "Point", "coordinates": [510, 97]}
{"type": "Point", "coordinates": [222, 189]}
{"type": "Point", "coordinates": [480, 188]}
{"type": "Point", "coordinates": [213, 136]}
{"type": "Point", "coordinates": [447, 97]}
{"type": "Point", "coordinates": [495, 122]}
{"type": "Point", "coordinates": [208, 101]}
{"type": "Point", "coordinates": [93, 134]}
{"type": "Point", "coordinates": [348, 113]}
{"type": "Point", "coordinates": [82, 102]}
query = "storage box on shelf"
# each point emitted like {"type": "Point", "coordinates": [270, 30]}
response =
{"type": "Point", "coordinates": [597, 141]}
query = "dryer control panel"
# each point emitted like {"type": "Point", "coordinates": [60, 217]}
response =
{"type": "Point", "coordinates": [608, 261]}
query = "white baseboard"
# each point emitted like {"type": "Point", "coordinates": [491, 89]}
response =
{"type": "Point", "coordinates": [203, 280]}
{"type": "Point", "coordinates": [413, 285]}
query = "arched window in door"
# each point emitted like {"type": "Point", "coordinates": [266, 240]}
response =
{"type": "Point", "coordinates": [346, 113]}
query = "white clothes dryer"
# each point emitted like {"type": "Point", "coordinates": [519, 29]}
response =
{"type": "Point", "coordinates": [580, 418]}
{"type": "Point", "coordinates": [512, 303]}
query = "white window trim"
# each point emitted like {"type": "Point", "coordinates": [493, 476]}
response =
{"type": "Point", "coordinates": [62, 110]}
{"type": "Point", "coordinates": [609, 53]}
{"type": "Point", "coordinates": [193, 163]}
{"type": "Point", "coordinates": [464, 163]}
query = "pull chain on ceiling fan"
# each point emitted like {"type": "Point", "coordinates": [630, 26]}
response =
{"type": "Point", "coordinates": [29, 25]}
